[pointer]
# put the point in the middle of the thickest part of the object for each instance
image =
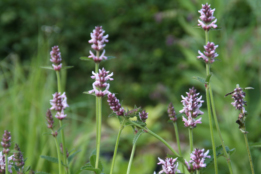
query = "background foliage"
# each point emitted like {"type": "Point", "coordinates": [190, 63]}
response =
{"type": "Point", "coordinates": [155, 44]}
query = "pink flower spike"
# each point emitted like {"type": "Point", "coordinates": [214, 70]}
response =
{"type": "Point", "coordinates": [56, 58]}
{"type": "Point", "coordinates": [209, 53]}
{"type": "Point", "coordinates": [169, 166]}
{"type": "Point", "coordinates": [100, 86]}
{"type": "Point", "coordinates": [97, 38]}
{"type": "Point", "coordinates": [207, 20]}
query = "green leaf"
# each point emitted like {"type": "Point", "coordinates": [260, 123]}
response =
{"type": "Point", "coordinates": [112, 115]}
{"type": "Point", "coordinates": [208, 77]}
{"type": "Point", "coordinates": [255, 144]}
{"type": "Point", "coordinates": [93, 160]}
{"type": "Point", "coordinates": [142, 124]}
{"type": "Point", "coordinates": [67, 67]}
{"type": "Point", "coordinates": [89, 168]}
{"type": "Point", "coordinates": [136, 137]}
{"type": "Point", "coordinates": [72, 155]}
{"type": "Point", "coordinates": [49, 158]}
{"type": "Point", "coordinates": [200, 79]}
{"type": "Point", "coordinates": [26, 168]}
{"type": "Point", "coordinates": [47, 67]}
{"type": "Point", "coordinates": [249, 88]}
{"type": "Point", "coordinates": [89, 93]}
{"type": "Point", "coordinates": [86, 58]}
{"type": "Point", "coordinates": [179, 115]}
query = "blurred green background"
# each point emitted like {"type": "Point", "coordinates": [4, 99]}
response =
{"type": "Point", "coordinates": [155, 43]}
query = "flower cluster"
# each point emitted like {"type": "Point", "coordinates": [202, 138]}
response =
{"type": "Point", "coordinates": [49, 118]}
{"type": "Point", "coordinates": [238, 96]}
{"type": "Point", "coordinates": [100, 86]}
{"type": "Point", "coordinates": [169, 166]}
{"type": "Point", "coordinates": [98, 43]}
{"type": "Point", "coordinates": [18, 157]}
{"type": "Point", "coordinates": [191, 104]}
{"type": "Point", "coordinates": [115, 104]}
{"type": "Point", "coordinates": [6, 142]}
{"type": "Point", "coordinates": [56, 58]}
{"type": "Point", "coordinates": [59, 103]}
{"type": "Point", "coordinates": [209, 53]}
{"type": "Point", "coordinates": [207, 20]}
{"type": "Point", "coordinates": [2, 163]}
{"type": "Point", "coordinates": [197, 160]}
{"type": "Point", "coordinates": [172, 113]}
{"type": "Point", "coordinates": [143, 115]}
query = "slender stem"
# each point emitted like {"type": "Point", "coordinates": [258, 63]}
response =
{"type": "Point", "coordinates": [249, 154]}
{"type": "Point", "coordinates": [61, 124]}
{"type": "Point", "coordinates": [178, 142]}
{"type": "Point", "coordinates": [58, 81]}
{"type": "Point", "coordinates": [219, 131]}
{"type": "Point", "coordinates": [198, 172]}
{"type": "Point", "coordinates": [99, 131]}
{"type": "Point", "coordinates": [59, 156]}
{"type": "Point", "coordinates": [209, 113]}
{"type": "Point", "coordinates": [116, 145]}
{"type": "Point", "coordinates": [191, 139]}
{"type": "Point", "coordinates": [131, 158]}
{"type": "Point", "coordinates": [211, 126]}
{"type": "Point", "coordinates": [6, 164]}
{"type": "Point", "coordinates": [156, 136]}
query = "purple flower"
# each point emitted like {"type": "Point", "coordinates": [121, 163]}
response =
{"type": "Point", "coordinates": [59, 102]}
{"type": "Point", "coordinates": [97, 38]}
{"type": "Point", "coordinates": [100, 86]}
{"type": "Point", "coordinates": [2, 163]}
{"type": "Point", "coordinates": [197, 160]}
{"type": "Point", "coordinates": [209, 53]}
{"type": "Point", "coordinates": [98, 58]}
{"type": "Point", "coordinates": [115, 104]}
{"type": "Point", "coordinates": [172, 113]}
{"type": "Point", "coordinates": [56, 58]}
{"type": "Point", "coordinates": [207, 20]}
{"type": "Point", "coordinates": [60, 115]}
{"type": "Point", "coordinates": [6, 142]}
{"type": "Point", "coordinates": [98, 43]}
{"type": "Point", "coordinates": [49, 118]}
{"type": "Point", "coordinates": [191, 104]}
{"type": "Point", "coordinates": [169, 166]}
{"type": "Point", "coordinates": [143, 116]}
{"type": "Point", "coordinates": [18, 157]}
{"type": "Point", "coordinates": [238, 95]}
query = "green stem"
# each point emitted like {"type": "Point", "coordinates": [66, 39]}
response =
{"type": "Point", "coordinates": [198, 172]}
{"type": "Point", "coordinates": [209, 113]}
{"type": "Point", "coordinates": [58, 81]}
{"type": "Point", "coordinates": [215, 117]}
{"type": "Point", "coordinates": [211, 125]}
{"type": "Point", "coordinates": [116, 145]}
{"type": "Point", "coordinates": [178, 142]}
{"type": "Point", "coordinates": [131, 158]}
{"type": "Point", "coordinates": [65, 160]}
{"type": "Point", "coordinates": [156, 136]}
{"type": "Point", "coordinates": [6, 164]}
{"type": "Point", "coordinates": [191, 139]}
{"type": "Point", "coordinates": [219, 131]}
{"type": "Point", "coordinates": [249, 154]}
{"type": "Point", "coordinates": [99, 131]}
{"type": "Point", "coordinates": [59, 156]}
